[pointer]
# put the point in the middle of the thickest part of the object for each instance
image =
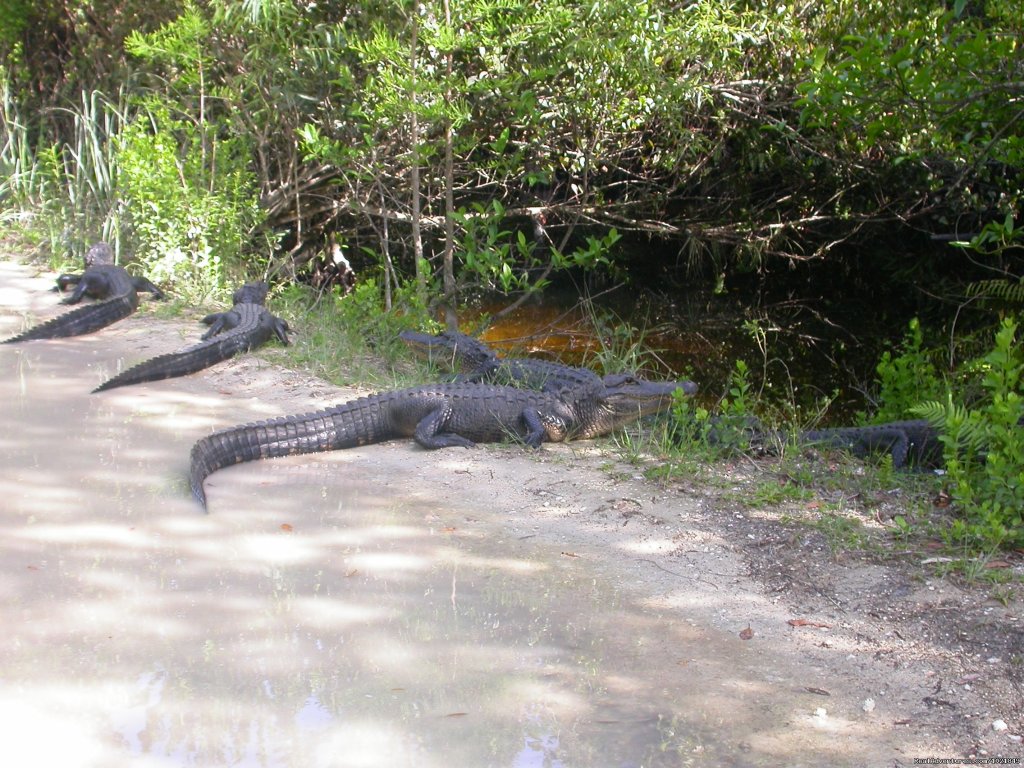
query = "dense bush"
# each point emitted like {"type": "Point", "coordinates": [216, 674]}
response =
{"type": "Point", "coordinates": [188, 221]}
{"type": "Point", "coordinates": [983, 448]}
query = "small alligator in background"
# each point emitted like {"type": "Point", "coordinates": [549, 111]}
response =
{"type": "Point", "coordinates": [911, 443]}
{"type": "Point", "coordinates": [114, 289]}
{"type": "Point", "coordinates": [436, 416]}
{"type": "Point", "coordinates": [246, 326]}
{"type": "Point", "coordinates": [477, 362]}
{"type": "Point", "coordinates": [914, 442]}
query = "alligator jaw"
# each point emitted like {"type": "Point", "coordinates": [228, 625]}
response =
{"type": "Point", "coordinates": [626, 399]}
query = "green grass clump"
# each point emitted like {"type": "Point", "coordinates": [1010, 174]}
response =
{"type": "Point", "coordinates": [349, 338]}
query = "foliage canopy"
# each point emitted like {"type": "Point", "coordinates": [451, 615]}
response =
{"type": "Point", "coordinates": [739, 134]}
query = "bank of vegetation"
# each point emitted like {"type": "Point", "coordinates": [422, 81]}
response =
{"type": "Point", "coordinates": [436, 150]}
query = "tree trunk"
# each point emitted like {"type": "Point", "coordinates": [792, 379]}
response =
{"type": "Point", "coordinates": [451, 319]}
{"type": "Point", "coordinates": [414, 172]}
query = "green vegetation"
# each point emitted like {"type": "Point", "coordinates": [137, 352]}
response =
{"type": "Point", "coordinates": [983, 448]}
{"type": "Point", "coordinates": [345, 339]}
{"type": "Point", "coordinates": [428, 139]}
{"type": "Point", "coordinates": [907, 379]}
{"type": "Point", "coordinates": [449, 150]}
{"type": "Point", "coordinates": [977, 410]}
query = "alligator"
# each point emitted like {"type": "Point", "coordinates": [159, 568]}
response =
{"type": "Point", "coordinates": [914, 442]}
{"type": "Point", "coordinates": [246, 326]}
{"type": "Point", "coordinates": [435, 416]}
{"type": "Point", "coordinates": [479, 363]}
{"type": "Point", "coordinates": [911, 443]}
{"type": "Point", "coordinates": [113, 288]}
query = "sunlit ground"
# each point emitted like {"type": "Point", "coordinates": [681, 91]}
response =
{"type": "Point", "coordinates": [335, 610]}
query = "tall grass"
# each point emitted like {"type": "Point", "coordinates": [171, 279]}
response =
{"type": "Point", "coordinates": [91, 166]}
{"type": "Point", "coordinates": [19, 183]}
{"type": "Point", "coordinates": [66, 186]}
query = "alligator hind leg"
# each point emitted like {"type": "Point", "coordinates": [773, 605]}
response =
{"type": "Point", "coordinates": [95, 286]}
{"type": "Point", "coordinates": [429, 432]}
{"type": "Point", "coordinates": [63, 281]}
{"type": "Point", "coordinates": [281, 330]}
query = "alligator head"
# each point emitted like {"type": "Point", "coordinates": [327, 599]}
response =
{"type": "Point", "coordinates": [625, 399]}
{"type": "Point", "coordinates": [251, 293]}
{"type": "Point", "coordinates": [452, 349]}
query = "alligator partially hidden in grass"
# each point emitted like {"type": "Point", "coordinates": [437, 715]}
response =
{"type": "Point", "coordinates": [114, 289]}
{"type": "Point", "coordinates": [911, 443]}
{"type": "Point", "coordinates": [246, 326]}
{"type": "Point", "coordinates": [914, 442]}
{"type": "Point", "coordinates": [477, 362]}
{"type": "Point", "coordinates": [436, 416]}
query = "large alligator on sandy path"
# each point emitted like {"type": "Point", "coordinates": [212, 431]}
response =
{"type": "Point", "coordinates": [114, 289]}
{"type": "Point", "coordinates": [246, 326]}
{"type": "Point", "coordinates": [436, 416]}
{"type": "Point", "coordinates": [474, 361]}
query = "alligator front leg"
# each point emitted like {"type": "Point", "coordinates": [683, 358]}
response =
{"type": "Point", "coordinates": [142, 284]}
{"type": "Point", "coordinates": [219, 322]}
{"type": "Point", "coordinates": [538, 427]}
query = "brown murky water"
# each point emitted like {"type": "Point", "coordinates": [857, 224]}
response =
{"type": "Point", "coordinates": [326, 613]}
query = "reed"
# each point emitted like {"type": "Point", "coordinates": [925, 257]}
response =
{"type": "Point", "coordinates": [67, 186]}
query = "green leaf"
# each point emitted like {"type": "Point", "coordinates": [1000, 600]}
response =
{"type": "Point", "coordinates": [499, 145]}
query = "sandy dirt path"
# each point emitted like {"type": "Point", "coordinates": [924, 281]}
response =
{"type": "Point", "coordinates": [392, 606]}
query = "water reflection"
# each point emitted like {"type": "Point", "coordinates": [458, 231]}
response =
{"type": "Point", "coordinates": [313, 716]}
{"type": "Point", "coordinates": [540, 748]}
{"type": "Point", "coordinates": [132, 724]}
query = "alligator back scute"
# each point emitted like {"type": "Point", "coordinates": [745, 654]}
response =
{"type": "Point", "coordinates": [451, 349]}
{"type": "Point", "coordinates": [481, 364]}
{"type": "Point", "coordinates": [251, 293]}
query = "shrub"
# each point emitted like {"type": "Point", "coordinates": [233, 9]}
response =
{"type": "Point", "coordinates": [190, 218]}
{"type": "Point", "coordinates": [983, 449]}
{"type": "Point", "coordinates": [727, 433]}
{"type": "Point", "coordinates": [907, 379]}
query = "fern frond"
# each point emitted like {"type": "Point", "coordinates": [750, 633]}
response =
{"type": "Point", "coordinates": [934, 412]}
{"type": "Point", "coordinates": [1009, 291]}
{"type": "Point", "coordinates": [967, 429]}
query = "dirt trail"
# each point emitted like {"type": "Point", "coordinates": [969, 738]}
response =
{"type": "Point", "coordinates": [698, 615]}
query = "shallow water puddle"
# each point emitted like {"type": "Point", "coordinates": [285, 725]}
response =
{"type": "Point", "coordinates": [321, 614]}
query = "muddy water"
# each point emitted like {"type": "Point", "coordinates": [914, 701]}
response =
{"type": "Point", "coordinates": [329, 611]}
{"type": "Point", "coordinates": [795, 355]}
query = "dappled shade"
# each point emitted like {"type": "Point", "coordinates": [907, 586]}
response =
{"type": "Point", "coordinates": [375, 607]}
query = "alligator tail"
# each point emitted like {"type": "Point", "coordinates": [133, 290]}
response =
{"type": "Point", "coordinates": [175, 364]}
{"type": "Point", "coordinates": [81, 320]}
{"type": "Point", "coordinates": [359, 422]}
